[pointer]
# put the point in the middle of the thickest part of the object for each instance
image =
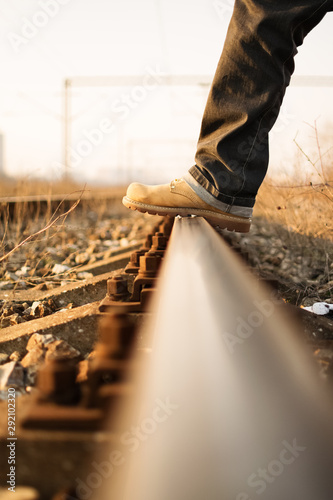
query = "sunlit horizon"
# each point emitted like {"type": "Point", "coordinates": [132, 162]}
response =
{"type": "Point", "coordinates": [155, 138]}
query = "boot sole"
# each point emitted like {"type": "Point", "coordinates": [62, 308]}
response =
{"type": "Point", "coordinates": [222, 221]}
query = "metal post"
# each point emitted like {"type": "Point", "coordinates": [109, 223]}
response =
{"type": "Point", "coordinates": [67, 130]}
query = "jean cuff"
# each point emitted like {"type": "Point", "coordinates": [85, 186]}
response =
{"type": "Point", "coordinates": [212, 201]}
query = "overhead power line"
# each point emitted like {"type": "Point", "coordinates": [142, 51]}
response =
{"type": "Point", "coordinates": [183, 80]}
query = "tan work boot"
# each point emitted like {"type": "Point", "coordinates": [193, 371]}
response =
{"type": "Point", "coordinates": [178, 198]}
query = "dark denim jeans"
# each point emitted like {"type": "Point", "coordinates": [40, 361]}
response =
{"type": "Point", "coordinates": [247, 91]}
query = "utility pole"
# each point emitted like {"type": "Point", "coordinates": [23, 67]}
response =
{"type": "Point", "coordinates": [67, 130]}
{"type": "Point", "coordinates": [2, 169]}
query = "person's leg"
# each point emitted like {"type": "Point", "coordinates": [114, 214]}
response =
{"type": "Point", "coordinates": [245, 98]}
{"type": "Point", "coordinates": [232, 155]}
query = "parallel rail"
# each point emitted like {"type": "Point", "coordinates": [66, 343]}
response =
{"type": "Point", "coordinates": [40, 204]}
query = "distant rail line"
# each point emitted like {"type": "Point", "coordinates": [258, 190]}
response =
{"type": "Point", "coordinates": [41, 204]}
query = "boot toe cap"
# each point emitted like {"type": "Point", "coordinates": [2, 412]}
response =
{"type": "Point", "coordinates": [136, 191]}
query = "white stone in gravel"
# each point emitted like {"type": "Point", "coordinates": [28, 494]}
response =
{"type": "Point", "coordinates": [59, 268]}
{"type": "Point", "coordinates": [110, 243]}
{"type": "Point", "coordinates": [65, 282]}
{"type": "Point", "coordinates": [35, 305]}
{"type": "Point", "coordinates": [27, 312]}
{"type": "Point", "coordinates": [51, 250]}
{"type": "Point", "coordinates": [3, 358]}
{"type": "Point", "coordinates": [320, 308]}
{"type": "Point", "coordinates": [11, 374]}
{"type": "Point", "coordinates": [82, 258]}
{"type": "Point", "coordinates": [30, 311]}
{"type": "Point", "coordinates": [11, 276]}
{"type": "Point", "coordinates": [24, 271]}
{"type": "Point", "coordinates": [84, 275]}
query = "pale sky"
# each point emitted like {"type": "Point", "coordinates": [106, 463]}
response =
{"type": "Point", "coordinates": [154, 137]}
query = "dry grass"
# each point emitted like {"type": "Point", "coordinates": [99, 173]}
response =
{"type": "Point", "coordinates": [36, 227]}
{"type": "Point", "coordinates": [305, 210]}
{"type": "Point", "coordinates": [301, 218]}
{"type": "Point", "coordinates": [304, 203]}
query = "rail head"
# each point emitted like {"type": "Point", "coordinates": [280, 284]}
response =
{"type": "Point", "coordinates": [237, 387]}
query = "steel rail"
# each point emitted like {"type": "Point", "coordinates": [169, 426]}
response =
{"type": "Point", "coordinates": [41, 203]}
{"type": "Point", "coordinates": [244, 412]}
{"type": "Point", "coordinates": [84, 195]}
